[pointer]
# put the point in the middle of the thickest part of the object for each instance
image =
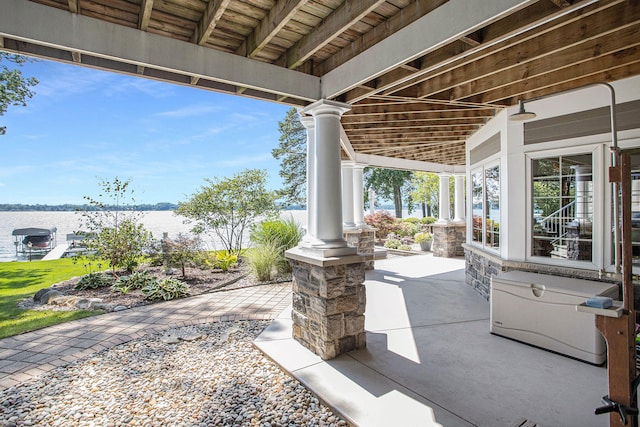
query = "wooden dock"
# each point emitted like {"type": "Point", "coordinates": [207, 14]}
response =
{"type": "Point", "coordinates": [55, 253]}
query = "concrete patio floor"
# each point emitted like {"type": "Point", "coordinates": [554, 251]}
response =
{"type": "Point", "coordinates": [430, 359]}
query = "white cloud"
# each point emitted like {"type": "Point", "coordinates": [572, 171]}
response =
{"type": "Point", "coordinates": [190, 111]}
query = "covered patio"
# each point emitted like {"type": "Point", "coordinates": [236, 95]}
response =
{"type": "Point", "coordinates": [430, 360]}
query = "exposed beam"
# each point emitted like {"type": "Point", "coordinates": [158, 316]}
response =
{"type": "Point", "coordinates": [588, 51]}
{"type": "Point", "coordinates": [415, 127]}
{"type": "Point", "coordinates": [537, 46]}
{"type": "Point", "coordinates": [561, 3]}
{"type": "Point", "coordinates": [77, 57]}
{"type": "Point", "coordinates": [118, 43]}
{"type": "Point", "coordinates": [73, 6]}
{"type": "Point", "coordinates": [345, 143]}
{"type": "Point", "coordinates": [194, 80]}
{"type": "Point", "coordinates": [278, 16]}
{"type": "Point", "coordinates": [348, 13]}
{"type": "Point", "coordinates": [212, 14]}
{"type": "Point", "coordinates": [468, 116]}
{"type": "Point", "coordinates": [447, 23]}
{"type": "Point", "coordinates": [404, 164]}
{"type": "Point", "coordinates": [140, 70]}
{"type": "Point", "coordinates": [145, 14]}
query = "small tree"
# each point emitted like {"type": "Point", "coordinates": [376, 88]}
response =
{"type": "Point", "coordinates": [114, 230]}
{"type": "Point", "coordinates": [182, 251]}
{"type": "Point", "coordinates": [391, 184]}
{"type": "Point", "coordinates": [292, 153]}
{"type": "Point", "coordinates": [228, 206]}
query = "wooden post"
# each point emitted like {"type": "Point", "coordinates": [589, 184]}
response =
{"type": "Point", "coordinates": [620, 332]}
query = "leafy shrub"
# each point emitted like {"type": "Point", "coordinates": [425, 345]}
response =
{"type": "Point", "coordinates": [182, 251]}
{"type": "Point", "coordinates": [412, 220]}
{"type": "Point", "coordinates": [224, 260]}
{"type": "Point", "coordinates": [406, 229]}
{"type": "Point", "coordinates": [166, 289]}
{"type": "Point", "coordinates": [423, 237]}
{"type": "Point", "coordinates": [383, 221]}
{"type": "Point", "coordinates": [137, 280]}
{"type": "Point", "coordinates": [392, 244]}
{"type": "Point", "coordinates": [428, 220]}
{"type": "Point", "coordinates": [284, 234]}
{"type": "Point", "coordinates": [263, 261]}
{"type": "Point", "coordinates": [404, 247]}
{"type": "Point", "coordinates": [94, 281]}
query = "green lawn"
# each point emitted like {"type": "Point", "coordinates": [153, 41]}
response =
{"type": "Point", "coordinates": [19, 280]}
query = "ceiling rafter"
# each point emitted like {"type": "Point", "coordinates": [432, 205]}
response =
{"type": "Point", "coordinates": [347, 14]}
{"type": "Point", "coordinates": [268, 28]}
{"type": "Point", "coordinates": [145, 14]}
{"type": "Point", "coordinates": [73, 6]}
{"type": "Point", "coordinates": [212, 14]}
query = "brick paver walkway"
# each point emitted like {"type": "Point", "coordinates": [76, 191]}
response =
{"type": "Point", "coordinates": [34, 353]}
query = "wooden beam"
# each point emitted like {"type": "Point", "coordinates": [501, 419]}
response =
{"type": "Point", "coordinates": [145, 14]}
{"type": "Point", "coordinates": [278, 16]}
{"type": "Point", "coordinates": [347, 14]}
{"type": "Point", "coordinates": [561, 3]}
{"type": "Point", "coordinates": [602, 66]}
{"type": "Point", "coordinates": [585, 52]}
{"type": "Point", "coordinates": [73, 6]}
{"type": "Point", "coordinates": [194, 80]}
{"type": "Point", "coordinates": [433, 110]}
{"type": "Point", "coordinates": [140, 70]}
{"type": "Point", "coordinates": [468, 116]}
{"type": "Point", "coordinates": [431, 125]}
{"type": "Point", "coordinates": [77, 57]}
{"type": "Point", "coordinates": [212, 14]}
{"type": "Point", "coordinates": [538, 46]}
{"type": "Point", "coordinates": [474, 39]}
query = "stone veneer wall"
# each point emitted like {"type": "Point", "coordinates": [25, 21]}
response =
{"type": "Point", "coordinates": [448, 240]}
{"type": "Point", "coordinates": [364, 241]}
{"type": "Point", "coordinates": [328, 307]}
{"type": "Point", "coordinates": [480, 267]}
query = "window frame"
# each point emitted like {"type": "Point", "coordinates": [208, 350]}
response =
{"type": "Point", "coordinates": [483, 167]}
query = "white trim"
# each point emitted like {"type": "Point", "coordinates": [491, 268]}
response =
{"type": "Point", "coordinates": [48, 26]}
{"type": "Point", "coordinates": [413, 165]}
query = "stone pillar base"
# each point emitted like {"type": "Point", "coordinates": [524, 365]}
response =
{"type": "Point", "coordinates": [364, 241]}
{"type": "Point", "coordinates": [329, 300]}
{"type": "Point", "coordinates": [448, 240]}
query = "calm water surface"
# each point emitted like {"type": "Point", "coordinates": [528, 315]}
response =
{"type": "Point", "coordinates": [157, 222]}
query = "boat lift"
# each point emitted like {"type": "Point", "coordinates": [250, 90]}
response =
{"type": "Point", "coordinates": [32, 240]}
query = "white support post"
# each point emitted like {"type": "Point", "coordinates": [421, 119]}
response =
{"type": "Point", "coordinates": [444, 214]}
{"type": "Point", "coordinates": [309, 124]}
{"type": "Point", "coordinates": [358, 195]}
{"type": "Point", "coordinates": [328, 240]}
{"type": "Point", "coordinates": [347, 195]}
{"type": "Point", "coordinates": [459, 199]}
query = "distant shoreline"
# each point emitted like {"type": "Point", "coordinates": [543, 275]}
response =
{"type": "Point", "coordinates": [164, 206]}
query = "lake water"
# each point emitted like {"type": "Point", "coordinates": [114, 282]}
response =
{"type": "Point", "coordinates": [158, 222]}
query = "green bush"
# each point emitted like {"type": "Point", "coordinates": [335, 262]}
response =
{"type": "Point", "coordinates": [412, 220]}
{"type": "Point", "coordinates": [224, 260]}
{"type": "Point", "coordinates": [263, 261]}
{"type": "Point", "coordinates": [284, 234]}
{"type": "Point", "coordinates": [406, 229]}
{"type": "Point", "coordinates": [404, 247]}
{"type": "Point", "coordinates": [428, 220]}
{"type": "Point", "coordinates": [166, 289]}
{"type": "Point", "coordinates": [137, 280]}
{"type": "Point", "coordinates": [423, 237]}
{"type": "Point", "coordinates": [94, 281]}
{"type": "Point", "coordinates": [392, 244]}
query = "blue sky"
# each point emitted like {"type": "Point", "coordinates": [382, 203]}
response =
{"type": "Point", "coordinates": [84, 126]}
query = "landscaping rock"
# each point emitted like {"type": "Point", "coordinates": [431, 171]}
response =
{"type": "Point", "coordinates": [44, 297]}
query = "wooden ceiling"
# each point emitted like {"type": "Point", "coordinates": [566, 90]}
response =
{"type": "Point", "coordinates": [423, 109]}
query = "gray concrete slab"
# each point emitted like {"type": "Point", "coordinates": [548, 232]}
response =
{"type": "Point", "coordinates": [430, 359]}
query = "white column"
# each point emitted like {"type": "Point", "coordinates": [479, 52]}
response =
{"type": "Point", "coordinates": [459, 199]}
{"type": "Point", "coordinates": [309, 125]}
{"type": "Point", "coordinates": [327, 187]}
{"type": "Point", "coordinates": [444, 216]}
{"type": "Point", "coordinates": [347, 195]}
{"type": "Point", "coordinates": [358, 195]}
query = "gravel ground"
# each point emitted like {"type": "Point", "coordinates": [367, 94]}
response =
{"type": "Point", "coordinates": [209, 375]}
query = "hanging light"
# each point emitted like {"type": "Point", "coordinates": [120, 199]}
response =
{"type": "Point", "coordinates": [522, 115]}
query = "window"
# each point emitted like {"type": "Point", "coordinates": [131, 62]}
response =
{"type": "Point", "coordinates": [485, 199]}
{"type": "Point", "coordinates": [562, 207]}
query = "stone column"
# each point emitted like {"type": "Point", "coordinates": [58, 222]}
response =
{"type": "Point", "coordinates": [328, 275]}
{"type": "Point", "coordinates": [444, 216]}
{"type": "Point", "coordinates": [358, 195]}
{"type": "Point", "coordinates": [309, 125]}
{"type": "Point", "coordinates": [459, 199]}
{"type": "Point", "coordinates": [348, 220]}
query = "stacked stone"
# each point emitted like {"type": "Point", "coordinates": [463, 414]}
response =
{"type": "Point", "coordinates": [479, 270]}
{"type": "Point", "coordinates": [328, 307]}
{"type": "Point", "coordinates": [364, 240]}
{"type": "Point", "coordinates": [448, 240]}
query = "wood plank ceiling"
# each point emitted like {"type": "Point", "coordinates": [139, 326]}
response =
{"type": "Point", "coordinates": [424, 109]}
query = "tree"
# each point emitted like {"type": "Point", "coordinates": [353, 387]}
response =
{"type": "Point", "coordinates": [292, 152]}
{"type": "Point", "coordinates": [114, 230]}
{"type": "Point", "coordinates": [391, 184]}
{"type": "Point", "coordinates": [182, 251]}
{"type": "Point", "coordinates": [426, 188]}
{"type": "Point", "coordinates": [14, 87]}
{"type": "Point", "coordinates": [228, 206]}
